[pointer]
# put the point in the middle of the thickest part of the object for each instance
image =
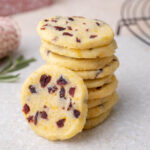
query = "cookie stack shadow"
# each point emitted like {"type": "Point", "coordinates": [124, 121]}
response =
{"type": "Point", "coordinates": [96, 65]}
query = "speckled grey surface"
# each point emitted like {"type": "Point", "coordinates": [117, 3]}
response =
{"type": "Point", "coordinates": [128, 128]}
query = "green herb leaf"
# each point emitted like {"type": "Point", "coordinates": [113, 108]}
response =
{"type": "Point", "coordinates": [9, 78]}
{"type": "Point", "coordinates": [18, 64]}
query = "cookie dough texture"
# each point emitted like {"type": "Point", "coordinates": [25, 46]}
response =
{"type": "Point", "coordinates": [100, 73]}
{"type": "Point", "coordinates": [98, 110]}
{"type": "Point", "coordinates": [54, 102]}
{"type": "Point", "coordinates": [98, 52]}
{"type": "Point", "coordinates": [75, 32]}
{"type": "Point", "coordinates": [95, 102]}
{"type": "Point", "coordinates": [75, 64]}
{"type": "Point", "coordinates": [91, 123]}
{"type": "Point", "coordinates": [103, 91]}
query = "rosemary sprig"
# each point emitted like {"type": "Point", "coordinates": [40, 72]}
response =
{"type": "Point", "coordinates": [12, 66]}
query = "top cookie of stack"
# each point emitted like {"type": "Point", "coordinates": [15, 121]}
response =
{"type": "Point", "coordinates": [77, 37]}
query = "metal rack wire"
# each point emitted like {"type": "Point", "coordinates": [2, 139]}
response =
{"type": "Point", "coordinates": [135, 16]}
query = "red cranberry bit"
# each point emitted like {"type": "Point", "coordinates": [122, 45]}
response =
{"type": "Point", "coordinates": [52, 89]}
{"type": "Point", "coordinates": [69, 28]}
{"type": "Point", "coordinates": [84, 23]}
{"type": "Point", "coordinates": [78, 40]}
{"type": "Point", "coordinates": [36, 118]}
{"type": "Point", "coordinates": [66, 22]}
{"type": "Point", "coordinates": [72, 91]}
{"type": "Point", "coordinates": [76, 113]}
{"type": "Point", "coordinates": [70, 105]}
{"type": "Point", "coordinates": [62, 93]}
{"type": "Point", "coordinates": [30, 119]}
{"type": "Point", "coordinates": [48, 52]}
{"type": "Point", "coordinates": [71, 19]}
{"type": "Point", "coordinates": [76, 29]}
{"type": "Point", "coordinates": [67, 34]}
{"type": "Point", "coordinates": [46, 20]}
{"type": "Point", "coordinates": [61, 81]}
{"type": "Point", "coordinates": [32, 89]}
{"type": "Point", "coordinates": [98, 23]}
{"type": "Point", "coordinates": [42, 28]}
{"type": "Point", "coordinates": [43, 114]}
{"type": "Point", "coordinates": [87, 30]}
{"type": "Point", "coordinates": [26, 109]}
{"type": "Point", "coordinates": [59, 28]}
{"type": "Point", "coordinates": [98, 88]}
{"type": "Point", "coordinates": [44, 80]}
{"type": "Point", "coordinates": [60, 123]}
{"type": "Point", "coordinates": [45, 106]}
{"type": "Point", "coordinates": [45, 25]}
{"type": "Point", "coordinates": [93, 36]}
{"type": "Point", "coordinates": [53, 20]}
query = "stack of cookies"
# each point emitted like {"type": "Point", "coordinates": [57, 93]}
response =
{"type": "Point", "coordinates": [76, 88]}
{"type": "Point", "coordinates": [86, 47]}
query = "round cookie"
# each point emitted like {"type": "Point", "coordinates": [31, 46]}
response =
{"type": "Point", "coordinates": [95, 102]}
{"type": "Point", "coordinates": [98, 82]}
{"type": "Point", "coordinates": [98, 52]}
{"type": "Point", "coordinates": [75, 64]}
{"type": "Point", "coordinates": [96, 111]}
{"type": "Point", "coordinates": [54, 102]}
{"type": "Point", "coordinates": [103, 91]}
{"type": "Point", "coordinates": [91, 123]}
{"type": "Point", "coordinates": [95, 74]}
{"type": "Point", "coordinates": [75, 32]}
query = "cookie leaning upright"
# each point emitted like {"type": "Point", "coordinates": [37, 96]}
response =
{"type": "Point", "coordinates": [75, 32]}
{"type": "Point", "coordinates": [54, 102]}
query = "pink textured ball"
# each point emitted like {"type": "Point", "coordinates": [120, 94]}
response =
{"type": "Point", "coordinates": [9, 36]}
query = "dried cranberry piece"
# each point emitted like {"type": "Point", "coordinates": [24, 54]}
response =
{"type": "Point", "coordinates": [98, 23]}
{"type": "Point", "coordinates": [52, 89]}
{"type": "Point", "coordinates": [61, 81]}
{"type": "Point", "coordinates": [67, 34]}
{"type": "Point", "coordinates": [36, 118]}
{"type": "Point", "coordinates": [53, 20]}
{"type": "Point", "coordinates": [71, 19]}
{"type": "Point", "coordinates": [72, 91]}
{"type": "Point", "coordinates": [59, 28]}
{"type": "Point", "coordinates": [30, 119]}
{"type": "Point", "coordinates": [42, 28]}
{"type": "Point", "coordinates": [76, 29]}
{"type": "Point", "coordinates": [70, 105]}
{"type": "Point", "coordinates": [76, 113]}
{"type": "Point", "coordinates": [32, 89]}
{"type": "Point", "coordinates": [69, 28]}
{"type": "Point", "coordinates": [26, 109]}
{"type": "Point", "coordinates": [84, 23]}
{"type": "Point", "coordinates": [44, 80]}
{"type": "Point", "coordinates": [98, 88]}
{"type": "Point", "coordinates": [45, 106]}
{"type": "Point", "coordinates": [93, 36]}
{"type": "Point", "coordinates": [78, 40]}
{"type": "Point", "coordinates": [66, 22]}
{"type": "Point", "coordinates": [43, 114]}
{"type": "Point", "coordinates": [87, 30]}
{"type": "Point", "coordinates": [60, 123]}
{"type": "Point", "coordinates": [46, 20]}
{"type": "Point", "coordinates": [99, 71]}
{"type": "Point", "coordinates": [62, 93]}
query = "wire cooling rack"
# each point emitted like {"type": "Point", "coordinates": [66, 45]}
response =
{"type": "Point", "coordinates": [135, 16]}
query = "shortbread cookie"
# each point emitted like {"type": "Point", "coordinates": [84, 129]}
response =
{"type": "Point", "coordinates": [95, 102]}
{"type": "Point", "coordinates": [75, 32]}
{"type": "Point", "coordinates": [93, 83]}
{"type": "Point", "coordinates": [105, 71]}
{"type": "Point", "coordinates": [101, 52]}
{"type": "Point", "coordinates": [75, 64]}
{"type": "Point", "coordinates": [54, 102]}
{"type": "Point", "coordinates": [96, 111]}
{"type": "Point", "coordinates": [91, 123]}
{"type": "Point", "coordinates": [103, 91]}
